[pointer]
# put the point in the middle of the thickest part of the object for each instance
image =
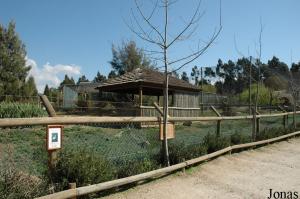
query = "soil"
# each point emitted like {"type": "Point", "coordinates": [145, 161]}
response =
{"type": "Point", "coordinates": [248, 174]}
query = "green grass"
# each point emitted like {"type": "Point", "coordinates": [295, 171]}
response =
{"type": "Point", "coordinates": [27, 145]}
{"type": "Point", "coordinates": [20, 110]}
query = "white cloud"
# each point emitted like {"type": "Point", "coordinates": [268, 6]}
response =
{"type": "Point", "coordinates": [50, 74]}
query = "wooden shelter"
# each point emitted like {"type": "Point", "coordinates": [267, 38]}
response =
{"type": "Point", "coordinates": [184, 97]}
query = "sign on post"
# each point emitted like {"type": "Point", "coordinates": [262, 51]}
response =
{"type": "Point", "coordinates": [170, 130]}
{"type": "Point", "coordinates": [54, 137]}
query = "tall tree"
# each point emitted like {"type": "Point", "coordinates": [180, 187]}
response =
{"type": "Point", "coordinates": [47, 90]}
{"type": "Point", "coordinates": [82, 79]}
{"type": "Point", "coordinates": [195, 75]}
{"type": "Point", "coordinates": [29, 88]}
{"type": "Point", "coordinates": [159, 36]}
{"type": "Point", "coordinates": [66, 81]}
{"type": "Point", "coordinates": [295, 68]}
{"type": "Point", "coordinates": [112, 74]}
{"type": "Point", "coordinates": [13, 69]}
{"type": "Point", "coordinates": [129, 57]}
{"type": "Point", "coordinates": [99, 78]}
{"type": "Point", "coordinates": [184, 76]}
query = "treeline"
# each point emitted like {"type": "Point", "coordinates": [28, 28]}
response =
{"type": "Point", "coordinates": [228, 78]}
{"type": "Point", "coordinates": [232, 78]}
{"type": "Point", "coordinates": [14, 79]}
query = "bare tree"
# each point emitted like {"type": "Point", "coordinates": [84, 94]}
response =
{"type": "Point", "coordinates": [143, 27]}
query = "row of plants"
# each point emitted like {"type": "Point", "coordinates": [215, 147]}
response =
{"type": "Point", "coordinates": [20, 110]}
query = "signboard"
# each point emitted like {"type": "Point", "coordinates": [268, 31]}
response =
{"type": "Point", "coordinates": [54, 137]}
{"type": "Point", "coordinates": [170, 130]}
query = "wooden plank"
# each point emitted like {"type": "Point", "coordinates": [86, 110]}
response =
{"type": "Point", "coordinates": [49, 108]}
{"type": "Point", "coordinates": [215, 111]}
{"type": "Point", "coordinates": [9, 122]}
{"type": "Point", "coordinates": [170, 131]}
{"type": "Point", "coordinates": [158, 109]}
{"type": "Point", "coordinates": [219, 121]}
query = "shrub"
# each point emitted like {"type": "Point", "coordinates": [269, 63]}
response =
{"type": "Point", "coordinates": [239, 138]}
{"type": "Point", "coordinates": [135, 166]}
{"type": "Point", "coordinates": [20, 110]}
{"type": "Point", "coordinates": [15, 183]}
{"type": "Point", "coordinates": [179, 151]}
{"type": "Point", "coordinates": [214, 143]}
{"type": "Point", "coordinates": [83, 166]}
{"type": "Point", "coordinates": [269, 133]}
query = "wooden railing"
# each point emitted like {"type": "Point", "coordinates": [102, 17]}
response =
{"type": "Point", "coordinates": [81, 191]}
{"type": "Point", "coordinates": [10, 122]}
{"type": "Point", "coordinates": [150, 111]}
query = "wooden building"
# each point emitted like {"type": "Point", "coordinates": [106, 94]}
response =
{"type": "Point", "coordinates": [184, 98]}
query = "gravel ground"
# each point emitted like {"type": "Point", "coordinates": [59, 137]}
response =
{"type": "Point", "coordinates": [248, 174]}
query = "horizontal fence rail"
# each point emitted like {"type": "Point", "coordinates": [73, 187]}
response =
{"type": "Point", "coordinates": [71, 193]}
{"type": "Point", "coordinates": [11, 122]}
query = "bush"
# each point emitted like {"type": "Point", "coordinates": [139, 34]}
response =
{"type": "Point", "coordinates": [20, 110]}
{"type": "Point", "coordinates": [214, 143]}
{"type": "Point", "coordinates": [238, 138]}
{"type": "Point", "coordinates": [135, 166]}
{"type": "Point", "coordinates": [17, 184]}
{"type": "Point", "coordinates": [82, 166]}
{"type": "Point", "coordinates": [269, 133]}
{"type": "Point", "coordinates": [179, 151]}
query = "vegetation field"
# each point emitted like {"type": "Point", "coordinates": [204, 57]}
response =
{"type": "Point", "coordinates": [107, 153]}
{"type": "Point", "coordinates": [27, 145]}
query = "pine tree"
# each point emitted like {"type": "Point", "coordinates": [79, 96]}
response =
{"type": "Point", "coordinates": [99, 78]}
{"type": "Point", "coordinates": [47, 90]}
{"type": "Point", "coordinates": [29, 88]}
{"type": "Point", "coordinates": [66, 81]}
{"type": "Point", "coordinates": [82, 79]}
{"type": "Point", "coordinates": [129, 57]}
{"type": "Point", "coordinates": [112, 74]}
{"type": "Point", "coordinates": [184, 76]}
{"type": "Point", "coordinates": [13, 69]}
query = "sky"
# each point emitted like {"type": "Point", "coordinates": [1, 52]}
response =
{"type": "Point", "coordinates": [75, 37]}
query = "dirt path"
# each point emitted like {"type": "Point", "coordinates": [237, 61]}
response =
{"type": "Point", "coordinates": [249, 174]}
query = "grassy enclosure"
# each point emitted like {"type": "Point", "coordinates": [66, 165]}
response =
{"type": "Point", "coordinates": [93, 154]}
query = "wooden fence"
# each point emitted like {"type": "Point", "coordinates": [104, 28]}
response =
{"type": "Point", "coordinates": [10, 122]}
{"type": "Point", "coordinates": [71, 193]}
{"type": "Point", "coordinates": [81, 191]}
{"type": "Point", "coordinates": [150, 111]}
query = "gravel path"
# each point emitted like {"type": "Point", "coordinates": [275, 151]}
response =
{"type": "Point", "coordinates": [249, 174]}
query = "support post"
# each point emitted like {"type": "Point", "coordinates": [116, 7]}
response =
{"type": "Point", "coordinates": [254, 125]}
{"type": "Point", "coordinates": [218, 122]}
{"type": "Point", "coordinates": [250, 82]}
{"type": "Point", "coordinates": [72, 186]}
{"type": "Point", "coordinates": [257, 124]}
{"type": "Point", "coordinates": [202, 105]}
{"type": "Point", "coordinates": [284, 119]}
{"type": "Point", "coordinates": [141, 100]}
{"type": "Point", "coordinates": [158, 101]}
{"type": "Point", "coordinates": [48, 105]}
{"type": "Point", "coordinates": [52, 158]}
{"type": "Point", "coordinates": [158, 109]}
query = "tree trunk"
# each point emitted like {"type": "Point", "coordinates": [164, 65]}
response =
{"type": "Point", "coordinates": [165, 120]}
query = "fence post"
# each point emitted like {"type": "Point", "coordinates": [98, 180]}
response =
{"type": "Point", "coordinates": [284, 119]}
{"type": "Point", "coordinates": [218, 122]}
{"type": "Point", "coordinates": [254, 124]}
{"type": "Point", "coordinates": [48, 105]}
{"type": "Point", "coordinates": [257, 124]}
{"type": "Point", "coordinates": [72, 186]}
